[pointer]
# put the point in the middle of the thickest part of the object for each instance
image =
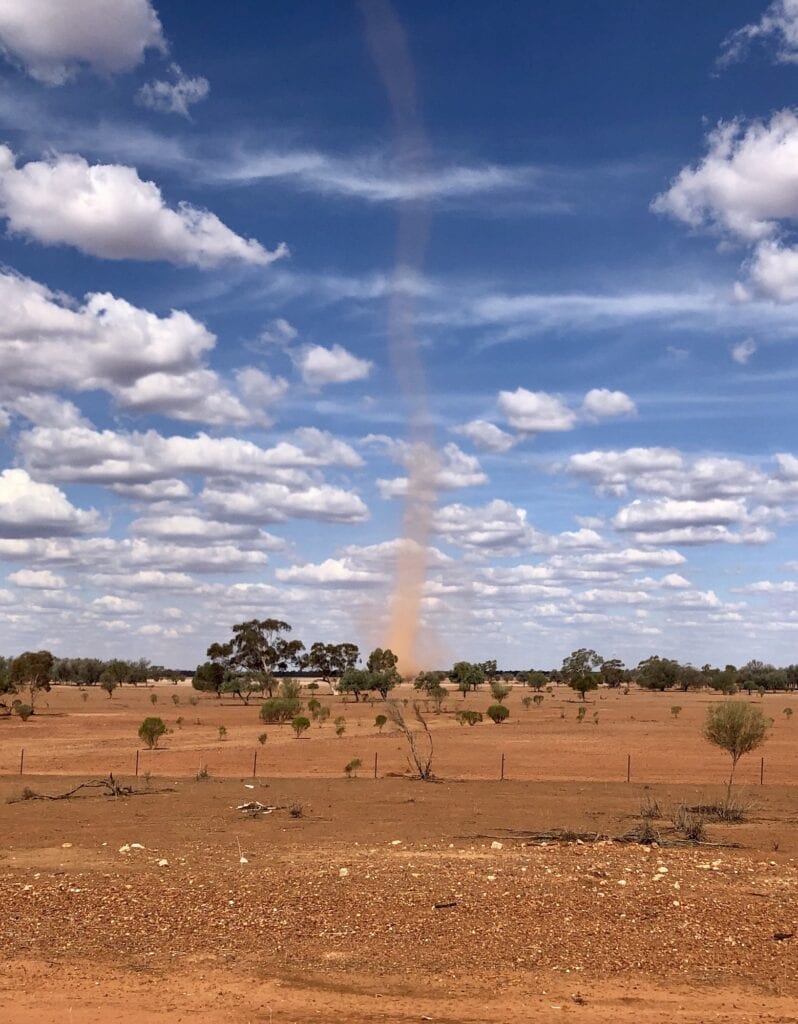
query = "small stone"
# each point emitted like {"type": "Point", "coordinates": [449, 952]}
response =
{"type": "Point", "coordinates": [125, 848]}
{"type": "Point", "coordinates": [163, 863]}
{"type": "Point", "coordinates": [66, 846]}
{"type": "Point", "coordinates": [496, 846]}
{"type": "Point", "coordinates": [343, 872]}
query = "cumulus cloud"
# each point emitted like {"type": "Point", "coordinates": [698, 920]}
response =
{"type": "Point", "coordinates": [747, 187]}
{"type": "Point", "coordinates": [743, 350]}
{"type": "Point", "coordinates": [175, 96]}
{"type": "Point", "coordinates": [146, 362]}
{"type": "Point", "coordinates": [92, 456]}
{"type": "Point", "coordinates": [274, 502]}
{"type": "Point", "coordinates": [51, 38]}
{"type": "Point", "coordinates": [37, 579]}
{"type": "Point", "coordinates": [116, 605]}
{"type": "Point", "coordinates": [535, 412]}
{"type": "Point", "coordinates": [320, 366]}
{"type": "Point", "coordinates": [600, 404]}
{"type": "Point", "coordinates": [31, 509]}
{"type": "Point", "coordinates": [449, 470]}
{"type": "Point", "coordinates": [333, 572]}
{"type": "Point", "coordinates": [189, 528]}
{"type": "Point", "coordinates": [666, 513]}
{"type": "Point", "coordinates": [486, 436]}
{"type": "Point", "coordinates": [777, 29]}
{"type": "Point", "coordinates": [107, 210]}
{"type": "Point", "coordinates": [498, 528]}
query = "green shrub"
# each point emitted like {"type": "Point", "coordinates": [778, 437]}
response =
{"type": "Point", "coordinates": [23, 711]}
{"type": "Point", "coordinates": [153, 698]}
{"type": "Point", "coordinates": [300, 724]}
{"type": "Point", "coordinates": [352, 767]}
{"type": "Point", "coordinates": [279, 710]}
{"type": "Point", "coordinates": [788, 713]}
{"type": "Point", "coordinates": [262, 738]}
{"type": "Point", "coordinates": [676, 710]}
{"type": "Point", "coordinates": [222, 732]}
{"type": "Point", "coordinates": [497, 713]}
{"type": "Point", "coordinates": [526, 701]}
{"type": "Point", "coordinates": [537, 699]}
{"type": "Point", "coordinates": [580, 714]}
{"type": "Point", "coordinates": [151, 730]}
{"type": "Point", "coordinates": [500, 691]}
{"type": "Point", "coordinates": [380, 721]}
{"type": "Point", "coordinates": [468, 717]}
{"type": "Point", "coordinates": [340, 725]}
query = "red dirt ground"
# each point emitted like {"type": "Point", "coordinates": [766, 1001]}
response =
{"type": "Point", "coordinates": [332, 915]}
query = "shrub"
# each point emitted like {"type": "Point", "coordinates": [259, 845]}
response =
{"type": "Point", "coordinates": [179, 721]}
{"type": "Point", "coordinates": [676, 710]}
{"type": "Point", "coordinates": [314, 707]}
{"type": "Point", "coordinates": [222, 732]}
{"type": "Point", "coordinates": [296, 810]}
{"type": "Point", "coordinates": [380, 721]}
{"type": "Point", "coordinates": [151, 730]}
{"type": "Point", "coordinates": [690, 823]}
{"type": "Point", "coordinates": [193, 701]}
{"type": "Point", "coordinates": [262, 738]}
{"type": "Point", "coordinates": [23, 711]}
{"type": "Point", "coordinates": [497, 713]}
{"type": "Point", "coordinates": [352, 767]}
{"type": "Point", "coordinates": [340, 725]}
{"type": "Point", "coordinates": [84, 696]}
{"type": "Point", "coordinates": [649, 808]}
{"type": "Point", "coordinates": [537, 700]}
{"type": "Point", "coordinates": [736, 727]}
{"type": "Point", "coordinates": [313, 687]}
{"type": "Point", "coordinates": [526, 701]}
{"type": "Point", "coordinates": [500, 691]}
{"type": "Point", "coordinates": [580, 713]}
{"type": "Point", "coordinates": [175, 699]}
{"type": "Point", "coordinates": [788, 713]}
{"type": "Point", "coordinates": [300, 724]}
{"type": "Point", "coordinates": [468, 717]}
{"type": "Point", "coordinates": [109, 685]}
{"type": "Point", "coordinates": [279, 710]}
{"type": "Point", "coordinates": [323, 714]}
{"type": "Point", "coordinates": [290, 689]}
{"type": "Point", "coordinates": [153, 698]}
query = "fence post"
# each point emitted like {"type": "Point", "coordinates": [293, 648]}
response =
{"type": "Point", "coordinates": [255, 765]}
{"type": "Point", "coordinates": [375, 764]}
{"type": "Point", "coordinates": [762, 772]}
{"type": "Point", "coordinates": [628, 767]}
{"type": "Point", "coordinates": [137, 764]}
{"type": "Point", "coordinates": [501, 777]}
{"type": "Point", "coordinates": [21, 759]}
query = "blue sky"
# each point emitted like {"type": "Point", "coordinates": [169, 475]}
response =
{"type": "Point", "coordinates": [201, 419]}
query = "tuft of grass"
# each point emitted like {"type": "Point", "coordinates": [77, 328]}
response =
{"type": "Point", "coordinates": [731, 810]}
{"type": "Point", "coordinates": [296, 810]}
{"type": "Point", "coordinates": [650, 809]}
{"type": "Point", "coordinates": [202, 773]}
{"type": "Point", "coordinates": [690, 823]}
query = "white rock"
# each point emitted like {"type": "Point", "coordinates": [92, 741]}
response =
{"type": "Point", "coordinates": [163, 863]}
{"type": "Point", "coordinates": [343, 872]}
{"type": "Point", "coordinates": [124, 849]}
{"type": "Point", "coordinates": [136, 846]}
{"type": "Point", "coordinates": [66, 846]}
{"type": "Point", "coordinates": [396, 842]}
{"type": "Point", "coordinates": [496, 846]}
{"type": "Point", "coordinates": [243, 860]}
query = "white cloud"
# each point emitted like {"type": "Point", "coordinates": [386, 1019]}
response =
{"type": "Point", "coordinates": [107, 210]}
{"type": "Point", "coordinates": [320, 366]}
{"type": "Point", "coordinates": [599, 404]}
{"type": "Point", "coordinates": [176, 96]}
{"type": "Point", "coordinates": [674, 581]}
{"type": "Point", "coordinates": [777, 26]}
{"type": "Point", "coordinates": [30, 509]}
{"type": "Point", "coordinates": [188, 528]}
{"type": "Point", "coordinates": [37, 579]}
{"type": "Point", "coordinates": [743, 350]}
{"type": "Point", "coordinates": [52, 38]}
{"type": "Point", "coordinates": [448, 470]}
{"type": "Point", "coordinates": [486, 436]}
{"type": "Point", "coordinates": [666, 513]}
{"type": "Point", "coordinates": [535, 412]}
{"type": "Point", "coordinates": [116, 605]}
{"type": "Point", "coordinates": [613, 471]}
{"type": "Point", "coordinates": [273, 502]}
{"type": "Point", "coordinates": [91, 456]}
{"type": "Point", "coordinates": [499, 527]}
{"type": "Point", "coordinates": [747, 187]}
{"type": "Point", "coordinates": [377, 180]}
{"type": "Point", "coordinates": [152, 579]}
{"type": "Point", "coordinates": [333, 572]}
